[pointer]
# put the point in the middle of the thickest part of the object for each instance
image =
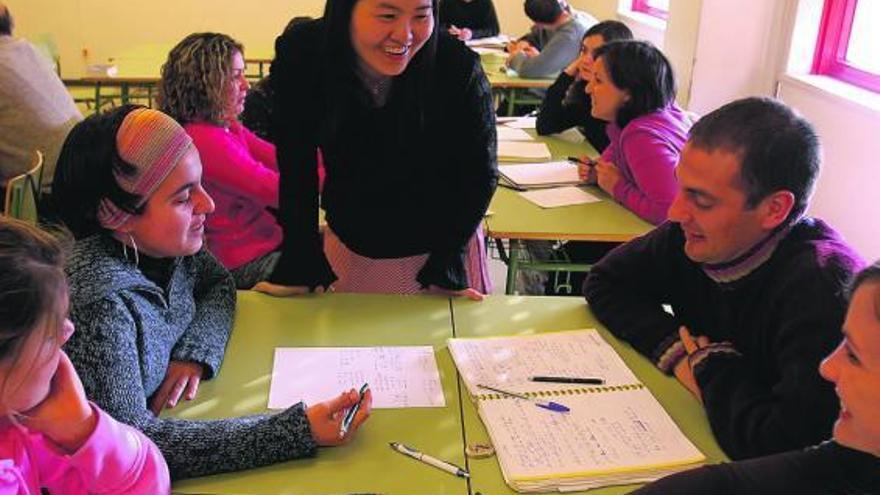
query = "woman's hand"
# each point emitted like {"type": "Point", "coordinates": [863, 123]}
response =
{"type": "Point", "coordinates": [286, 290]}
{"type": "Point", "coordinates": [607, 175]}
{"type": "Point", "coordinates": [325, 418]}
{"type": "Point", "coordinates": [472, 294]}
{"type": "Point", "coordinates": [65, 415]}
{"type": "Point", "coordinates": [586, 170]}
{"type": "Point", "coordinates": [181, 376]}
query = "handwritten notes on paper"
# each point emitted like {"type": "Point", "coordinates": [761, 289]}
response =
{"type": "Point", "coordinates": [398, 376]}
{"type": "Point", "coordinates": [508, 362]}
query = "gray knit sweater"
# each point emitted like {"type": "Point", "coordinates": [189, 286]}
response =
{"type": "Point", "coordinates": [128, 329]}
{"type": "Point", "coordinates": [558, 47]}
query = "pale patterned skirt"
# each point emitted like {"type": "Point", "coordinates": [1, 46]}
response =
{"type": "Point", "coordinates": [397, 275]}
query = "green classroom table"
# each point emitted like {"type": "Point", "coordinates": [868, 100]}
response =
{"type": "Point", "coordinates": [367, 464]}
{"type": "Point", "coordinates": [516, 315]}
{"type": "Point", "coordinates": [516, 218]}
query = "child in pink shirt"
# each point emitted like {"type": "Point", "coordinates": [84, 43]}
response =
{"type": "Point", "coordinates": [51, 436]}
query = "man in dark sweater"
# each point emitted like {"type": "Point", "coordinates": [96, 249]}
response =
{"type": "Point", "coordinates": [756, 290]}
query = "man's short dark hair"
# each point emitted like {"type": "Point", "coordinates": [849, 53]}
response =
{"type": "Point", "coordinates": [6, 22]}
{"type": "Point", "coordinates": [610, 31]}
{"type": "Point", "coordinates": [778, 149]}
{"type": "Point", "coordinates": [544, 11]}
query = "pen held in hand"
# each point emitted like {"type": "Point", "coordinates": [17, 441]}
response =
{"type": "Point", "coordinates": [432, 461]}
{"type": "Point", "coordinates": [549, 405]}
{"type": "Point", "coordinates": [352, 412]}
{"type": "Point", "coordinates": [568, 379]}
{"type": "Point", "coordinates": [589, 162]}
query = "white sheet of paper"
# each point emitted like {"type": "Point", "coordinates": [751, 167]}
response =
{"type": "Point", "coordinates": [571, 135]}
{"type": "Point", "coordinates": [559, 196]}
{"type": "Point", "coordinates": [523, 151]}
{"type": "Point", "coordinates": [513, 134]}
{"type": "Point", "coordinates": [499, 40]}
{"type": "Point", "coordinates": [398, 376]}
{"type": "Point", "coordinates": [520, 122]}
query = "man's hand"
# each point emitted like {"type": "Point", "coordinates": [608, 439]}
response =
{"type": "Point", "coordinates": [182, 378]}
{"type": "Point", "coordinates": [683, 370]}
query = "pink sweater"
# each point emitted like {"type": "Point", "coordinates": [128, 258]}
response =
{"type": "Point", "coordinates": [241, 175]}
{"type": "Point", "coordinates": [646, 152]}
{"type": "Point", "coordinates": [116, 458]}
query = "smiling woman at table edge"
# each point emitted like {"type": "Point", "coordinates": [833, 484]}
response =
{"type": "Point", "coordinates": [403, 117]}
{"type": "Point", "coordinates": [152, 307]}
{"type": "Point", "coordinates": [847, 464]}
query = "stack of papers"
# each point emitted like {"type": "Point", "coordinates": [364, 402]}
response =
{"type": "Point", "coordinates": [523, 151]}
{"type": "Point", "coordinates": [518, 122]}
{"type": "Point", "coordinates": [499, 41]}
{"type": "Point", "coordinates": [539, 175]}
{"type": "Point", "coordinates": [513, 134]}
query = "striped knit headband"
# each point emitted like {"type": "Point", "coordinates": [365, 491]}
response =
{"type": "Point", "coordinates": [153, 143]}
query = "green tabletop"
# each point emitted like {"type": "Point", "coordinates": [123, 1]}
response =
{"type": "Point", "coordinates": [514, 217]}
{"type": "Point", "coordinates": [367, 465]}
{"type": "Point", "coordinates": [512, 315]}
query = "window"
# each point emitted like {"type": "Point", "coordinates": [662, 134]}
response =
{"type": "Point", "coordinates": [654, 8]}
{"type": "Point", "coordinates": [848, 47]}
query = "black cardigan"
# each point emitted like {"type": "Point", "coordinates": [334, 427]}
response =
{"type": "Point", "coordinates": [391, 190]}
{"type": "Point", "coordinates": [782, 319]}
{"type": "Point", "coordinates": [478, 16]}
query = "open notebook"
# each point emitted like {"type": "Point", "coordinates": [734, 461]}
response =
{"type": "Point", "coordinates": [539, 175]}
{"type": "Point", "coordinates": [616, 433]}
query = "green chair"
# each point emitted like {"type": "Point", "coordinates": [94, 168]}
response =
{"type": "Point", "coordinates": [23, 191]}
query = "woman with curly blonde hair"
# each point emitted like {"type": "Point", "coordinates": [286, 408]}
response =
{"type": "Point", "coordinates": [203, 86]}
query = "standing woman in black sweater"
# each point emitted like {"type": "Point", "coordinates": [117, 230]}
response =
{"type": "Point", "coordinates": [469, 19]}
{"type": "Point", "coordinates": [403, 118]}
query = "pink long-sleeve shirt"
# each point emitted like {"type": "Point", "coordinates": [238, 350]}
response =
{"type": "Point", "coordinates": [116, 458]}
{"type": "Point", "coordinates": [241, 175]}
{"type": "Point", "coordinates": [646, 152]}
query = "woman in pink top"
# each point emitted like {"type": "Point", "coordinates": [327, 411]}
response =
{"type": "Point", "coordinates": [51, 436]}
{"type": "Point", "coordinates": [203, 87]}
{"type": "Point", "coordinates": [633, 88]}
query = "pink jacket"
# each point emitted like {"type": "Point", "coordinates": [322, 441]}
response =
{"type": "Point", "coordinates": [241, 175]}
{"type": "Point", "coordinates": [116, 458]}
{"type": "Point", "coordinates": [646, 152]}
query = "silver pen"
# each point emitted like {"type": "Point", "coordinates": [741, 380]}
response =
{"type": "Point", "coordinates": [433, 461]}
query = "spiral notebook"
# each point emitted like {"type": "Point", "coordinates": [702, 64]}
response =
{"type": "Point", "coordinates": [615, 433]}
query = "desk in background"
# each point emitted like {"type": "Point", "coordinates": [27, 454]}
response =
{"type": "Point", "coordinates": [517, 219]}
{"type": "Point", "coordinates": [507, 85]}
{"type": "Point", "coordinates": [367, 464]}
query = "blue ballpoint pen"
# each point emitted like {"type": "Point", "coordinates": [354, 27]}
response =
{"type": "Point", "coordinates": [350, 414]}
{"type": "Point", "coordinates": [550, 405]}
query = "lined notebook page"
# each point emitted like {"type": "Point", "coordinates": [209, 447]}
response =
{"type": "Point", "coordinates": [605, 436]}
{"type": "Point", "coordinates": [508, 362]}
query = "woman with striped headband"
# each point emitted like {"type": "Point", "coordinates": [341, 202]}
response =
{"type": "Point", "coordinates": [152, 307]}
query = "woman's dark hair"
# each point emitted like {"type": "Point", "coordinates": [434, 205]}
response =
{"type": "Point", "coordinates": [84, 174]}
{"type": "Point", "coordinates": [32, 283]}
{"type": "Point", "coordinates": [642, 70]}
{"type": "Point", "coordinates": [610, 31]}
{"type": "Point", "coordinates": [413, 86]}
{"type": "Point", "coordinates": [870, 273]}
{"type": "Point", "coordinates": [7, 24]}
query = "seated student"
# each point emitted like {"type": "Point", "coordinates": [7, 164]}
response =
{"type": "Point", "coordinates": [553, 41]}
{"type": "Point", "coordinates": [847, 464]}
{"type": "Point", "coordinates": [752, 283]}
{"type": "Point", "coordinates": [51, 436]}
{"type": "Point", "coordinates": [566, 103]}
{"type": "Point", "coordinates": [240, 172]}
{"type": "Point", "coordinates": [469, 19]}
{"type": "Point", "coordinates": [154, 310]}
{"type": "Point", "coordinates": [633, 89]}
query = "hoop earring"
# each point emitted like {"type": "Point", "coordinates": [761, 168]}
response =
{"type": "Point", "coordinates": [137, 259]}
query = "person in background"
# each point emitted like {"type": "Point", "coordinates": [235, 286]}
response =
{"type": "Point", "coordinates": [469, 19]}
{"type": "Point", "coordinates": [847, 464]}
{"type": "Point", "coordinates": [404, 120]}
{"type": "Point", "coordinates": [240, 172]}
{"type": "Point", "coordinates": [754, 289]}
{"type": "Point", "coordinates": [258, 110]}
{"type": "Point", "coordinates": [36, 110]}
{"type": "Point", "coordinates": [566, 103]}
{"type": "Point", "coordinates": [553, 42]}
{"type": "Point", "coordinates": [154, 310]}
{"type": "Point", "coordinates": [51, 436]}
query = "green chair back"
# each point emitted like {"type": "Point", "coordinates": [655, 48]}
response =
{"type": "Point", "coordinates": [23, 191]}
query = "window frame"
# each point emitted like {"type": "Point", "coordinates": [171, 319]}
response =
{"type": "Point", "coordinates": [829, 58]}
{"type": "Point", "coordinates": [643, 7]}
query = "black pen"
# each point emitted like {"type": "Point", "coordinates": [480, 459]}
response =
{"type": "Point", "coordinates": [590, 162]}
{"type": "Point", "coordinates": [568, 379]}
